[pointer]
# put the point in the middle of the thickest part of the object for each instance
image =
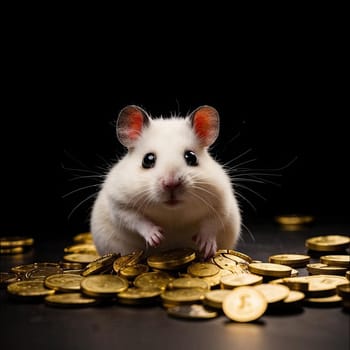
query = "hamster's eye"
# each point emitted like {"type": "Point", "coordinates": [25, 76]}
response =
{"type": "Point", "coordinates": [191, 158]}
{"type": "Point", "coordinates": [149, 161]}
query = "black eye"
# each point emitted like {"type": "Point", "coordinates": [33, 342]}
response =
{"type": "Point", "coordinates": [149, 160]}
{"type": "Point", "coordinates": [191, 158]}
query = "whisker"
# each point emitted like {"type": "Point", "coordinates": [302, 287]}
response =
{"type": "Point", "coordinates": [210, 207]}
{"type": "Point", "coordinates": [245, 199]}
{"type": "Point", "coordinates": [250, 190]}
{"type": "Point", "coordinates": [81, 203]}
{"type": "Point", "coordinates": [80, 189]}
{"type": "Point", "coordinates": [238, 157]}
{"type": "Point", "coordinates": [87, 177]}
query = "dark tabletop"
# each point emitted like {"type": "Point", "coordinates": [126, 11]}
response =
{"type": "Point", "coordinates": [37, 326]}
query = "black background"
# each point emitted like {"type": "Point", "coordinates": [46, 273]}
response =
{"type": "Point", "coordinates": [280, 87]}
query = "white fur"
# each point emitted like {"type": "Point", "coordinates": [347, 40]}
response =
{"type": "Point", "coordinates": [129, 212]}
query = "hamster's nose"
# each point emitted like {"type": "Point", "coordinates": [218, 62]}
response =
{"type": "Point", "coordinates": [171, 184]}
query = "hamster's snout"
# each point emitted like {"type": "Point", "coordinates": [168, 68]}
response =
{"type": "Point", "coordinates": [172, 187]}
{"type": "Point", "coordinates": [171, 184]}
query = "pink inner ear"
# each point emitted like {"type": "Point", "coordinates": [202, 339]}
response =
{"type": "Point", "coordinates": [135, 125]}
{"type": "Point", "coordinates": [202, 124]}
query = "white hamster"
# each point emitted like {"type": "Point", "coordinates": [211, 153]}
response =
{"type": "Point", "coordinates": [167, 191]}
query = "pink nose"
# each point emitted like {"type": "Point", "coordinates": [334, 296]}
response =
{"type": "Point", "coordinates": [171, 184]}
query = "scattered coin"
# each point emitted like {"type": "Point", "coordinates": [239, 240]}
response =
{"type": "Point", "coordinates": [63, 282]}
{"type": "Point", "coordinates": [30, 289]}
{"type": "Point", "coordinates": [323, 269]}
{"type": "Point", "coordinates": [188, 282]}
{"type": "Point", "coordinates": [70, 300]}
{"type": "Point", "coordinates": [294, 219]}
{"type": "Point", "coordinates": [232, 281]}
{"type": "Point", "coordinates": [171, 259]}
{"type": "Point", "coordinates": [202, 269]}
{"type": "Point", "coordinates": [139, 296]}
{"type": "Point", "coordinates": [194, 311]}
{"type": "Point", "coordinates": [328, 243]}
{"type": "Point", "coordinates": [103, 285]}
{"type": "Point", "coordinates": [7, 278]}
{"type": "Point", "coordinates": [155, 279]}
{"type": "Point", "coordinates": [17, 241]}
{"type": "Point", "coordinates": [343, 290]}
{"type": "Point", "coordinates": [336, 260]}
{"type": "Point", "coordinates": [292, 260]}
{"type": "Point", "coordinates": [244, 304]}
{"type": "Point", "coordinates": [181, 296]}
{"type": "Point", "coordinates": [273, 293]}
{"type": "Point", "coordinates": [81, 258]}
{"type": "Point", "coordinates": [85, 237]}
{"type": "Point", "coordinates": [215, 297]}
{"type": "Point", "coordinates": [270, 269]}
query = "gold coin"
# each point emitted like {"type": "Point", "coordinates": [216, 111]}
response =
{"type": "Point", "coordinates": [244, 304]}
{"type": "Point", "coordinates": [70, 300]}
{"type": "Point", "coordinates": [294, 296]}
{"type": "Point", "coordinates": [273, 293]}
{"type": "Point", "coordinates": [156, 279]}
{"type": "Point", "coordinates": [292, 260]}
{"type": "Point", "coordinates": [86, 248]}
{"type": "Point", "coordinates": [63, 282]}
{"type": "Point", "coordinates": [225, 263]}
{"type": "Point", "coordinates": [171, 259]}
{"type": "Point", "coordinates": [332, 300]}
{"type": "Point", "coordinates": [183, 295]}
{"type": "Point", "coordinates": [17, 241]}
{"type": "Point", "coordinates": [328, 243]}
{"type": "Point", "coordinates": [193, 311]}
{"type": "Point", "coordinates": [214, 281]}
{"type": "Point", "coordinates": [131, 272]}
{"type": "Point", "coordinates": [29, 289]}
{"type": "Point", "coordinates": [23, 269]}
{"type": "Point", "coordinates": [294, 283]}
{"type": "Point", "coordinates": [135, 296]}
{"type": "Point", "coordinates": [270, 269]}
{"type": "Point", "coordinates": [321, 285]}
{"type": "Point", "coordinates": [323, 269]}
{"type": "Point", "coordinates": [202, 269]}
{"type": "Point", "coordinates": [214, 298]}
{"type": "Point", "coordinates": [12, 250]}
{"type": "Point", "coordinates": [238, 256]}
{"type": "Point", "coordinates": [347, 275]}
{"type": "Point", "coordinates": [233, 281]}
{"type": "Point", "coordinates": [81, 258]}
{"type": "Point", "coordinates": [336, 260]}
{"type": "Point", "coordinates": [65, 265]}
{"type": "Point", "coordinates": [294, 219]}
{"type": "Point", "coordinates": [103, 285]}
{"type": "Point", "coordinates": [343, 290]}
{"type": "Point", "coordinates": [85, 237]}
{"type": "Point", "coordinates": [99, 265]}
{"type": "Point", "coordinates": [188, 282]}
{"type": "Point", "coordinates": [40, 273]}
{"type": "Point", "coordinates": [127, 260]}
{"type": "Point", "coordinates": [7, 278]}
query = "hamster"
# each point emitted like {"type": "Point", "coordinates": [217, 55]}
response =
{"type": "Point", "coordinates": [167, 191]}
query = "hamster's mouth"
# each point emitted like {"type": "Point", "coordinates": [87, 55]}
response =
{"type": "Point", "coordinates": [172, 202]}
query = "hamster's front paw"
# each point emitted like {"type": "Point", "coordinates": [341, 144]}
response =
{"type": "Point", "coordinates": [206, 244]}
{"type": "Point", "coordinates": [154, 236]}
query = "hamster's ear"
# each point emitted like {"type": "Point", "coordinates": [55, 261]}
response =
{"type": "Point", "coordinates": [131, 120]}
{"type": "Point", "coordinates": [205, 123]}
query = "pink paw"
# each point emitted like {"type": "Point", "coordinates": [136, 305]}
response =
{"type": "Point", "coordinates": [154, 236]}
{"type": "Point", "coordinates": [206, 244]}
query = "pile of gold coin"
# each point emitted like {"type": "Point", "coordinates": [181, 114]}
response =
{"type": "Point", "coordinates": [15, 245]}
{"type": "Point", "coordinates": [230, 284]}
{"type": "Point", "coordinates": [294, 222]}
